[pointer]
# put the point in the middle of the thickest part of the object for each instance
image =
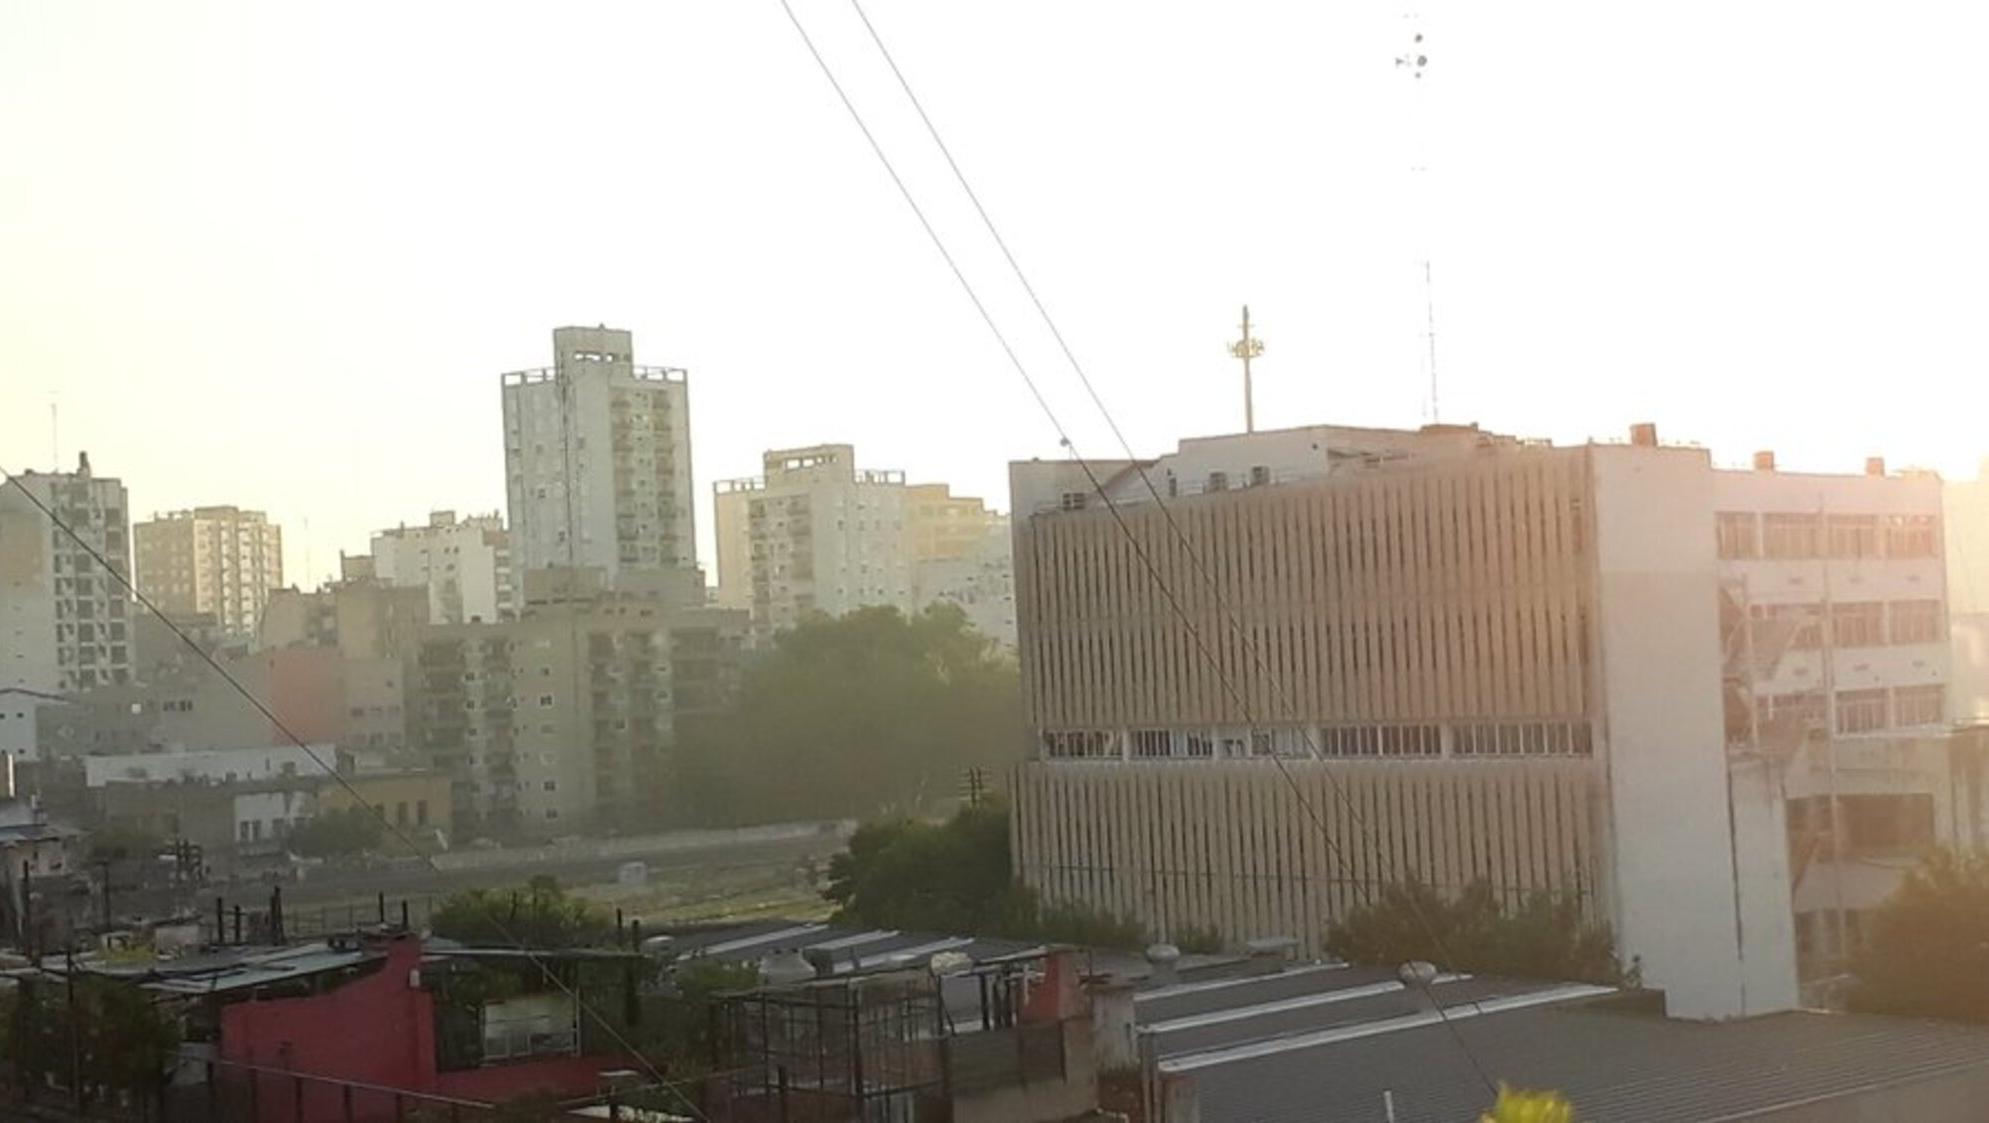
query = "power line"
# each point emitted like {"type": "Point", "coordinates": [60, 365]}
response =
{"type": "Point", "coordinates": [1288, 704]}
{"type": "Point", "coordinates": [332, 771]}
{"type": "Point", "coordinates": [1118, 518]}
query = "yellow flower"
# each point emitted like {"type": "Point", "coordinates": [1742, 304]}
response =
{"type": "Point", "coordinates": [1530, 1107]}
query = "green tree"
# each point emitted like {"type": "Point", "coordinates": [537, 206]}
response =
{"type": "Point", "coordinates": [1926, 950]}
{"type": "Point", "coordinates": [678, 1030]}
{"type": "Point", "coordinates": [540, 915]}
{"type": "Point", "coordinates": [954, 877]}
{"type": "Point", "coordinates": [352, 830]}
{"type": "Point", "coordinates": [122, 1042]}
{"type": "Point", "coordinates": [870, 713]}
{"type": "Point", "coordinates": [120, 840]}
{"type": "Point", "coordinates": [1545, 936]}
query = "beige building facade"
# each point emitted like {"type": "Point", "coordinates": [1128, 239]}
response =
{"type": "Point", "coordinates": [597, 458]}
{"type": "Point", "coordinates": [65, 625]}
{"type": "Point", "coordinates": [815, 533]}
{"type": "Point", "coordinates": [465, 564]}
{"type": "Point", "coordinates": [220, 562]}
{"type": "Point", "coordinates": [1415, 627]}
{"type": "Point", "coordinates": [557, 720]}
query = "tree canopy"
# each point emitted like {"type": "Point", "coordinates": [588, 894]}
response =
{"type": "Point", "coordinates": [541, 915]}
{"type": "Point", "coordinates": [1926, 950]}
{"type": "Point", "coordinates": [954, 877]}
{"type": "Point", "coordinates": [869, 713]}
{"type": "Point", "coordinates": [1543, 937]}
{"type": "Point", "coordinates": [121, 1041]}
{"type": "Point", "coordinates": [352, 830]}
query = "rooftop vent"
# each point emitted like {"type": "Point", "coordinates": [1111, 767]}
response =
{"type": "Point", "coordinates": [1764, 461]}
{"type": "Point", "coordinates": [1163, 958]}
{"type": "Point", "coordinates": [1644, 434]}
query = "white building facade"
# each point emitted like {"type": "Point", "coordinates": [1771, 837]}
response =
{"type": "Point", "coordinates": [465, 564]}
{"type": "Point", "coordinates": [1594, 669]}
{"type": "Point", "coordinates": [65, 624]}
{"type": "Point", "coordinates": [220, 562]}
{"type": "Point", "coordinates": [213, 766]}
{"type": "Point", "coordinates": [597, 457]}
{"type": "Point", "coordinates": [815, 533]}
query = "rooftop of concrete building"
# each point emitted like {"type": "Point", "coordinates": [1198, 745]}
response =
{"type": "Point", "coordinates": [1239, 461]}
{"type": "Point", "coordinates": [1267, 1040]}
{"type": "Point", "coordinates": [220, 511]}
{"type": "Point", "coordinates": [1616, 1061]}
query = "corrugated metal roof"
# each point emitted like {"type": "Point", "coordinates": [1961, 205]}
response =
{"type": "Point", "coordinates": [1616, 1066]}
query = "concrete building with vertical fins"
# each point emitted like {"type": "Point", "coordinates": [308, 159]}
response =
{"type": "Point", "coordinates": [1580, 668]}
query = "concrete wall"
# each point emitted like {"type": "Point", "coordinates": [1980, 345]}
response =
{"type": "Point", "coordinates": [1227, 845]}
{"type": "Point", "coordinates": [1680, 889]}
{"type": "Point", "coordinates": [1047, 1101]}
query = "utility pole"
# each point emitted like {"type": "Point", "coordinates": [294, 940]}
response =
{"type": "Point", "coordinates": [1827, 634]}
{"type": "Point", "coordinates": [1247, 349]}
{"type": "Point", "coordinates": [75, 1042]}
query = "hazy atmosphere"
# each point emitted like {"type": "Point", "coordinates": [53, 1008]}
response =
{"type": "Point", "coordinates": [276, 256]}
{"type": "Point", "coordinates": [1267, 563]}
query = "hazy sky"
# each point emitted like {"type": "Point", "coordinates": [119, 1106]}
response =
{"type": "Point", "coordinates": [277, 254]}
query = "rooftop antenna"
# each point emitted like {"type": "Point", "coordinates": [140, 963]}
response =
{"type": "Point", "coordinates": [1247, 349]}
{"type": "Point", "coordinates": [1414, 60]}
{"type": "Point", "coordinates": [54, 435]}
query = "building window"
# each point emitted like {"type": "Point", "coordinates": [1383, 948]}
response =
{"type": "Point", "coordinates": [1919, 705]}
{"type": "Point", "coordinates": [1858, 624]}
{"type": "Point", "coordinates": [1259, 475]}
{"type": "Point", "coordinates": [1852, 536]}
{"type": "Point", "coordinates": [420, 812]}
{"type": "Point", "coordinates": [1218, 481]}
{"type": "Point", "coordinates": [1739, 534]}
{"type": "Point", "coordinates": [1152, 743]}
{"type": "Point", "coordinates": [1200, 744]}
{"type": "Point", "coordinates": [545, 700]}
{"type": "Point", "coordinates": [1073, 501]}
{"type": "Point", "coordinates": [1912, 536]}
{"type": "Point", "coordinates": [1916, 621]}
{"type": "Point", "coordinates": [1860, 711]}
{"type": "Point", "coordinates": [1790, 536]}
{"type": "Point", "coordinates": [1794, 625]}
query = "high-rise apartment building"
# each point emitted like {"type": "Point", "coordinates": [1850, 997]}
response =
{"type": "Point", "coordinates": [597, 458]}
{"type": "Point", "coordinates": [64, 622]}
{"type": "Point", "coordinates": [1710, 703]}
{"type": "Point", "coordinates": [815, 533]}
{"type": "Point", "coordinates": [215, 562]}
{"type": "Point", "coordinates": [558, 719]}
{"type": "Point", "coordinates": [464, 564]}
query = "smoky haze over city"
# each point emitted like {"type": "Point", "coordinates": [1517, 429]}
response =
{"type": "Point", "coordinates": [844, 559]}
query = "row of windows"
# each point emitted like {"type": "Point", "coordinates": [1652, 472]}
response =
{"type": "Point", "coordinates": [1852, 623]}
{"type": "Point", "coordinates": [1394, 739]}
{"type": "Point", "coordinates": [1745, 534]}
{"type": "Point", "coordinates": [1866, 711]}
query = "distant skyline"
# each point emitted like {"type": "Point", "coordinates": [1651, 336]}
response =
{"type": "Point", "coordinates": [278, 255]}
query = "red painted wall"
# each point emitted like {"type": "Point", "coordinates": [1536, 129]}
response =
{"type": "Point", "coordinates": [374, 1030]}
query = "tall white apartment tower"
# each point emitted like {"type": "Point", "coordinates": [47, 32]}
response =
{"type": "Point", "coordinates": [597, 458]}
{"type": "Point", "coordinates": [64, 622]}
{"type": "Point", "coordinates": [221, 561]}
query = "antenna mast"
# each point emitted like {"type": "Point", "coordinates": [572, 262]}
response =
{"type": "Point", "coordinates": [1247, 349]}
{"type": "Point", "coordinates": [1415, 60]}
